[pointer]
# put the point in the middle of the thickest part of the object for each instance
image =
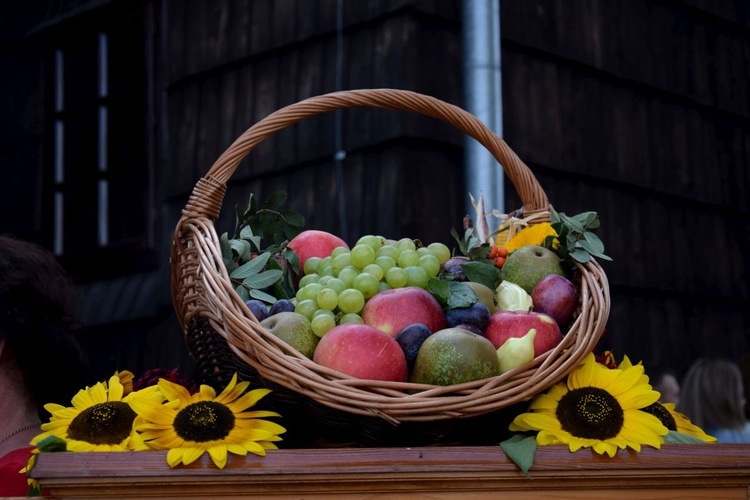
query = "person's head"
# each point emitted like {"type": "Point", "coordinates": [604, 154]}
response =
{"type": "Point", "coordinates": [38, 348]}
{"type": "Point", "coordinates": [668, 386]}
{"type": "Point", "coordinates": [712, 395]}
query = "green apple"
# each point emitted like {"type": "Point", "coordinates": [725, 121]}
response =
{"type": "Point", "coordinates": [294, 329]}
{"type": "Point", "coordinates": [528, 265]}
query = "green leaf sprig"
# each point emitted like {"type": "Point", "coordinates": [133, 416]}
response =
{"type": "Point", "coordinates": [259, 263]}
{"type": "Point", "coordinates": [577, 241]}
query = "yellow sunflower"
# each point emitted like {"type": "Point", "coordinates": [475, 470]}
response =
{"type": "Point", "coordinates": [597, 408]}
{"type": "Point", "coordinates": [100, 419]}
{"type": "Point", "coordinates": [532, 235]}
{"type": "Point", "coordinates": [665, 412]}
{"type": "Point", "coordinates": [189, 426]}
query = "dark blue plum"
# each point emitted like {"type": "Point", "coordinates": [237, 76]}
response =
{"type": "Point", "coordinates": [470, 328]}
{"type": "Point", "coordinates": [258, 308]}
{"type": "Point", "coordinates": [410, 338]}
{"type": "Point", "coordinates": [476, 314]}
{"type": "Point", "coordinates": [281, 305]}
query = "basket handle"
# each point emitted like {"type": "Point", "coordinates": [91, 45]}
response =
{"type": "Point", "coordinates": [208, 195]}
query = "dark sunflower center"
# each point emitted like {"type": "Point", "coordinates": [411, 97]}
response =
{"type": "Point", "coordinates": [204, 421]}
{"type": "Point", "coordinates": [666, 418]}
{"type": "Point", "coordinates": [103, 423]}
{"type": "Point", "coordinates": [590, 413]}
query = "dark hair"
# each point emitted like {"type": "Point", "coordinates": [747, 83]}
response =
{"type": "Point", "coordinates": [712, 395]}
{"type": "Point", "coordinates": [36, 298]}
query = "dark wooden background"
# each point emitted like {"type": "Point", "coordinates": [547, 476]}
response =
{"type": "Point", "coordinates": [636, 109]}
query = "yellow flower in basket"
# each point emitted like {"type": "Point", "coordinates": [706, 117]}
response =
{"type": "Point", "coordinates": [531, 235]}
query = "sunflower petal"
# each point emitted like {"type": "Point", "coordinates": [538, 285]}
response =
{"type": "Point", "coordinates": [174, 456]}
{"type": "Point", "coordinates": [192, 453]}
{"type": "Point", "coordinates": [218, 454]}
{"type": "Point", "coordinates": [248, 400]}
{"type": "Point", "coordinates": [115, 390]}
{"type": "Point", "coordinates": [173, 391]}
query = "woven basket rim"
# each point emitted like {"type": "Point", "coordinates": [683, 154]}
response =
{"type": "Point", "coordinates": [201, 285]}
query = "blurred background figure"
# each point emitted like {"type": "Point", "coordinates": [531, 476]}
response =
{"type": "Point", "coordinates": [666, 382]}
{"type": "Point", "coordinates": [745, 369]}
{"type": "Point", "coordinates": [40, 360]}
{"type": "Point", "coordinates": [713, 398]}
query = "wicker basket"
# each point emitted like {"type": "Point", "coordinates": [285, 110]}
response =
{"type": "Point", "coordinates": [322, 404]}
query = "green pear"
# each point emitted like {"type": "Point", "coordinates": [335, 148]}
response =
{"type": "Point", "coordinates": [529, 264]}
{"type": "Point", "coordinates": [452, 356]}
{"type": "Point", "coordinates": [485, 295]}
{"type": "Point", "coordinates": [294, 329]}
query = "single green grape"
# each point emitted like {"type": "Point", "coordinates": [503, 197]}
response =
{"type": "Point", "coordinates": [424, 251]}
{"type": "Point", "coordinates": [328, 299]}
{"type": "Point", "coordinates": [391, 251]}
{"type": "Point", "coordinates": [408, 258]}
{"type": "Point", "coordinates": [375, 270]}
{"type": "Point", "coordinates": [372, 241]}
{"type": "Point", "coordinates": [367, 284]}
{"type": "Point", "coordinates": [441, 251]}
{"type": "Point", "coordinates": [416, 276]}
{"type": "Point", "coordinates": [306, 308]}
{"type": "Point", "coordinates": [311, 291]}
{"type": "Point", "coordinates": [308, 278]}
{"type": "Point", "coordinates": [430, 264]}
{"type": "Point", "coordinates": [322, 324]}
{"type": "Point", "coordinates": [324, 262]}
{"type": "Point", "coordinates": [362, 255]}
{"type": "Point", "coordinates": [341, 261]}
{"type": "Point", "coordinates": [351, 301]}
{"type": "Point", "coordinates": [396, 277]}
{"type": "Point", "coordinates": [351, 318]}
{"type": "Point", "coordinates": [324, 280]}
{"type": "Point", "coordinates": [324, 311]}
{"type": "Point", "coordinates": [336, 284]}
{"type": "Point", "coordinates": [347, 275]}
{"type": "Point", "coordinates": [383, 286]}
{"type": "Point", "coordinates": [406, 244]}
{"type": "Point", "coordinates": [385, 262]}
{"type": "Point", "coordinates": [311, 265]}
{"type": "Point", "coordinates": [338, 251]}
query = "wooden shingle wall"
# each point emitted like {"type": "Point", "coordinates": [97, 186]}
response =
{"type": "Point", "coordinates": [637, 109]}
{"type": "Point", "coordinates": [233, 63]}
{"type": "Point", "coordinates": [640, 111]}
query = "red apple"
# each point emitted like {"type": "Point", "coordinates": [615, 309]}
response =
{"type": "Point", "coordinates": [506, 324]}
{"type": "Point", "coordinates": [392, 310]}
{"type": "Point", "coordinates": [555, 296]}
{"type": "Point", "coordinates": [314, 243]}
{"type": "Point", "coordinates": [363, 352]}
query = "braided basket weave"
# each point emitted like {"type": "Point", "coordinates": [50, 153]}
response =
{"type": "Point", "coordinates": [224, 337]}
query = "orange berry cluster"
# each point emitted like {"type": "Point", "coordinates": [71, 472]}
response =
{"type": "Point", "coordinates": [498, 254]}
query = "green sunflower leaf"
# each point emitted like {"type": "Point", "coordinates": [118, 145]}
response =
{"type": "Point", "coordinates": [521, 449]}
{"type": "Point", "coordinates": [52, 443]}
{"type": "Point", "coordinates": [674, 437]}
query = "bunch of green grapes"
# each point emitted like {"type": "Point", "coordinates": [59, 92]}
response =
{"type": "Point", "coordinates": [334, 290]}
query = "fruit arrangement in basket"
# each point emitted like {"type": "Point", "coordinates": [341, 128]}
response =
{"type": "Point", "coordinates": [405, 311]}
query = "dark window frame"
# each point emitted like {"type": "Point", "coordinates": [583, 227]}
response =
{"type": "Point", "coordinates": [101, 237]}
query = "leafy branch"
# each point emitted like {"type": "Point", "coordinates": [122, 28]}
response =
{"type": "Point", "coordinates": [260, 264]}
{"type": "Point", "coordinates": [577, 241]}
